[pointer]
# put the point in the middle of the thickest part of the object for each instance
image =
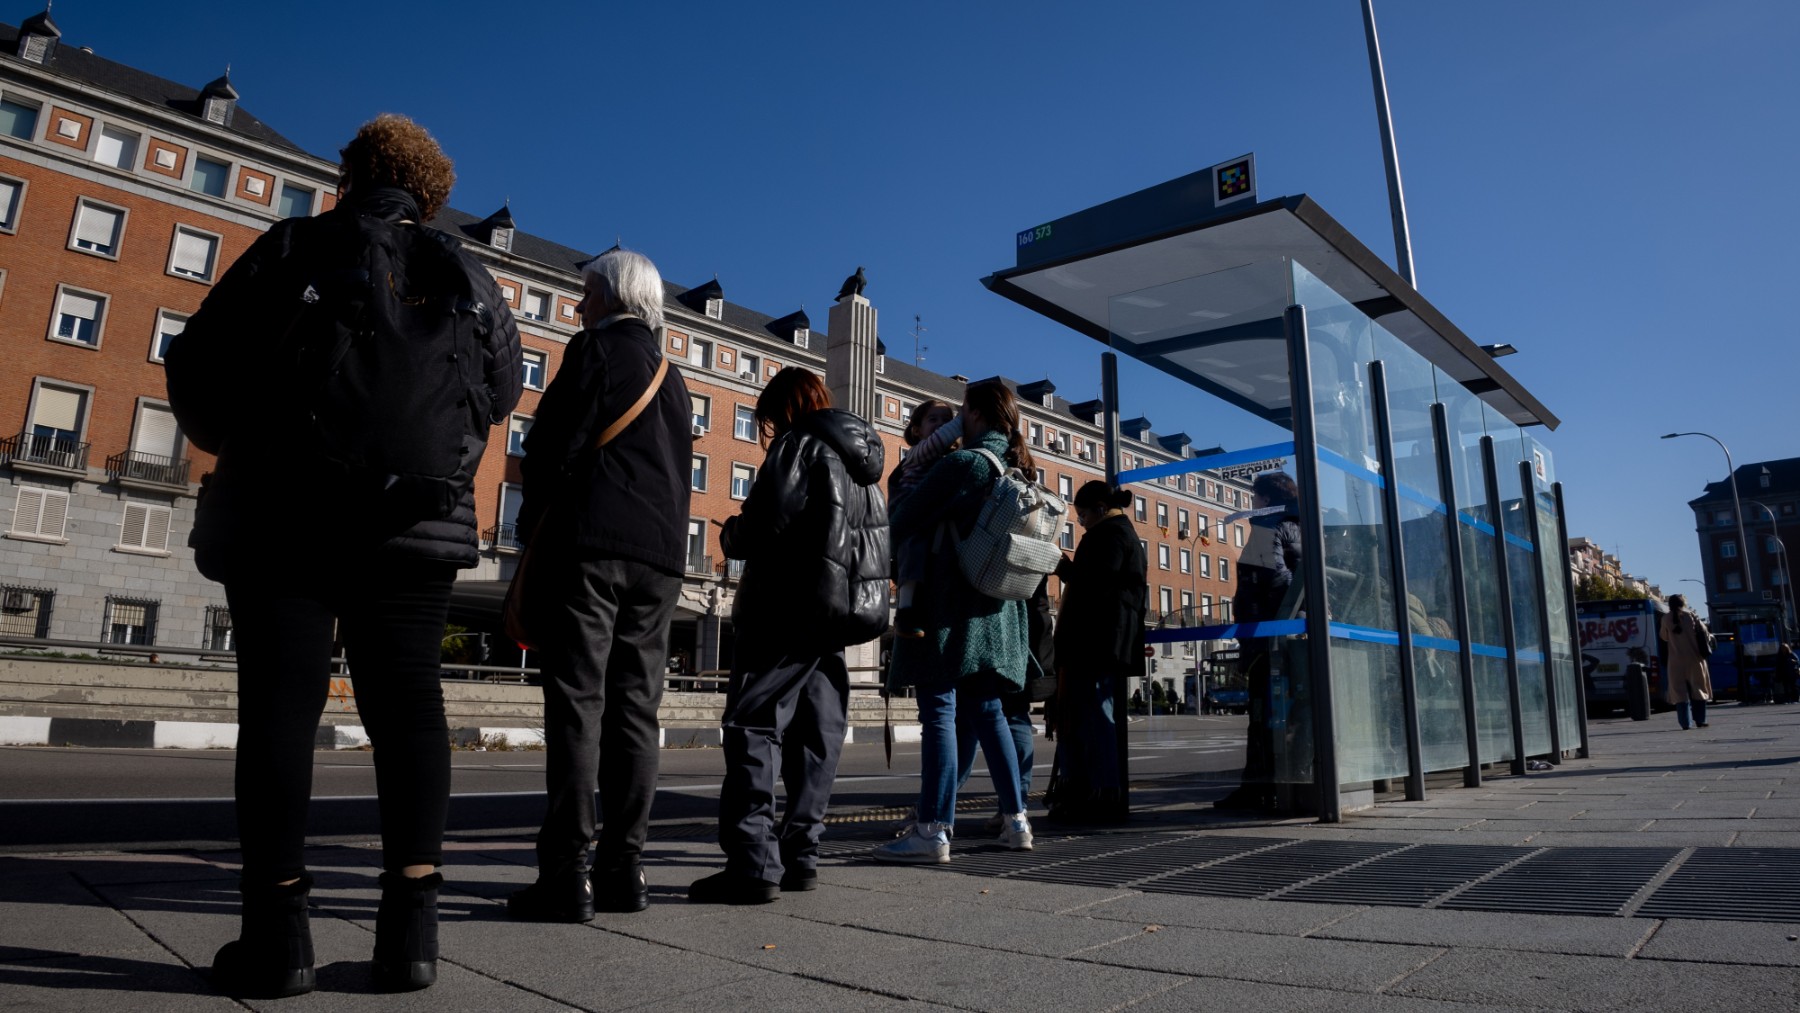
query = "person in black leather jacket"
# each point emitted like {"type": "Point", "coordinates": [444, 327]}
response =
{"type": "Point", "coordinates": [813, 536]}
{"type": "Point", "coordinates": [301, 570]}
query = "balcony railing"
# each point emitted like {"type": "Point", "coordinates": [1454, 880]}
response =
{"type": "Point", "coordinates": [132, 466]}
{"type": "Point", "coordinates": [698, 564]}
{"type": "Point", "coordinates": [29, 449]}
{"type": "Point", "coordinates": [505, 537]}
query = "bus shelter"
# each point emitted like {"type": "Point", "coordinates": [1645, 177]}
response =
{"type": "Point", "coordinates": [1431, 625]}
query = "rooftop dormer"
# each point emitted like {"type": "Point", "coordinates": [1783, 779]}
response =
{"type": "Point", "coordinates": [794, 327]}
{"type": "Point", "coordinates": [1043, 392]}
{"type": "Point", "coordinates": [708, 299]}
{"type": "Point", "coordinates": [1138, 429]}
{"type": "Point", "coordinates": [37, 38]}
{"type": "Point", "coordinates": [1176, 444]}
{"type": "Point", "coordinates": [218, 100]}
{"type": "Point", "coordinates": [1089, 411]}
{"type": "Point", "coordinates": [497, 229]}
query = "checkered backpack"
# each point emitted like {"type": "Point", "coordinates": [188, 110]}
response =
{"type": "Point", "coordinates": [1013, 544]}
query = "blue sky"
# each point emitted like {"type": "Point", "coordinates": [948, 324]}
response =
{"type": "Point", "coordinates": [1607, 184]}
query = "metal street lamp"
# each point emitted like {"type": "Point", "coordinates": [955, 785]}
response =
{"type": "Point", "coordinates": [1787, 573]}
{"type": "Point", "coordinates": [1737, 508]}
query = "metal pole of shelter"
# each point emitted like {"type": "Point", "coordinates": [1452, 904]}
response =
{"type": "Point", "coordinates": [1459, 595]}
{"type": "Point", "coordinates": [1503, 580]}
{"type": "Point", "coordinates": [1562, 539]}
{"type": "Point", "coordinates": [1403, 261]}
{"type": "Point", "coordinates": [1390, 494]}
{"type": "Point", "coordinates": [1312, 541]}
{"type": "Point", "coordinates": [1529, 485]}
{"type": "Point", "coordinates": [1109, 390]}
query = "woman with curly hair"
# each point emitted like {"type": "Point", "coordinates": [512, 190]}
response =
{"type": "Point", "coordinates": [248, 381]}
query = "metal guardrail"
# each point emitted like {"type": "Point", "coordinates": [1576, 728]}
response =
{"type": "Point", "coordinates": [169, 471]}
{"type": "Point", "coordinates": [46, 451]}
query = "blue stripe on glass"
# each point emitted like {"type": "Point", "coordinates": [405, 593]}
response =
{"type": "Point", "coordinates": [1367, 634]}
{"type": "Point", "coordinates": [1518, 543]}
{"type": "Point", "coordinates": [1488, 650]}
{"type": "Point", "coordinates": [1226, 460]}
{"type": "Point", "coordinates": [1408, 492]}
{"type": "Point", "coordinates": [1533, 657]}
{"type": "Point", "coordinates": [1344, 464]}
{"type": "Point", "coordinates": [1229, 631]}
{"type": "Point", "coordinates": [1482, 526]}
{"type": "Point", "coordinates": [1436, 643]}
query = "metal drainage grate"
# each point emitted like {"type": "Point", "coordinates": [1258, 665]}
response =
{"type": "Point", "coordinates": [1155, 856]}
{"type": "Point", "coordinates": [986, 858]}
{"type": "Point", "coordinates": [1736, 884]}
{"type": "Point", "coordinates": [1410, 878]}
{"type": "Point", "coordinates": [1594, 881]}
{"type": "Point", "coordinates": [1267, 871]}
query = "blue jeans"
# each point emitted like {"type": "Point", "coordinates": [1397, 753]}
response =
{"type": "Point", "coordinates": [1699, 709]}
{"type": "Point", "coordinates": [939, 718]}
{"type": "Point", "coordinates": [1017, 708]}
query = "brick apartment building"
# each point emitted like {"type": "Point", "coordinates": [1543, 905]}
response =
{"type": "Point", "coordinates": [123, 196]}
{"type": "Point", "coordinates": [1758, 575]}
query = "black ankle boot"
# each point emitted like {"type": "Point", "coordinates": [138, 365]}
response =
{"type": "Point", "coordinates": [272, 957]}
{"type": "Point", "coordinates": [563, 895]}
{"type": "Point", "coordinates": [406, 932]}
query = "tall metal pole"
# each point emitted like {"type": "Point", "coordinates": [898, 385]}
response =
{"type": "Point", "coordinates": [1787, 575]}
{"type": "Point", "coordinates": [1562, 538]}
{"type": "Point", "coordinates": [1109, 389]}
{"type": "Point", "coordinates": [1736, 508]}
{"type": "Point", "coordinates": [1529, 485]}
{"type": "Point", "coordinates": [1403, 261]}
{"type": "Point", "coordinates": [1503, 582]}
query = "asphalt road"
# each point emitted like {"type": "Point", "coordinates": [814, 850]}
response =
{"type": "Point", "coordinates": [62, 797]}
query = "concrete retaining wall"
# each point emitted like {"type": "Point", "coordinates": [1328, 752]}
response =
{"type": "Point", "coordinates": [66, 701]}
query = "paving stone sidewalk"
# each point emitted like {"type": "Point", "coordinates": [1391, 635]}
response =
{"type": "Point", "coordinates": [1158, 916]}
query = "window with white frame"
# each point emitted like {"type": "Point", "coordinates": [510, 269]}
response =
{"type": "Point", "coordinates": [697, 473]}
{"type": "Point", "coordinates": [1187, 599]}
{"type": "Point", "coordinates": [80, 317]}
{"type": "Point", "coordinates": [130, 620]}
{"type": "Point", "coordinates": [194, 254]}
{"type": "Point", "coordinates": [1206, 609]}
{"type": "Point", "coordinates": [1140, 508]}
{"type": "Point", "coordinates": [1237, 535]}
{"type": "Point", "coordinates": [700, 353]}
{"type": "Point", "coordinates": [1181, 520]}
{"type": "Point", "coordinates": [1037, 434]}
{"type": "Point", "coordinates": [1042, 479]}
{"type": "Point", "coordinates": [58, 417]}
{"type": "Point", "coordinates": [294, 202]}
{"type": "Point", "coordinates": [1068, 536]}
{"type": "Point", "coordinates": [1162, 515]}
{"type": "Point", "coordinates": [701, 406]}
{"type": "Point", "coordinates": [1144, 547]}
{"type": "Point", "coordinates": [536, 305]}
{"type": "Point", "coordinates": [1224, 568]}
{"type": "Point", "coordinates": [749, 366]}
{"type": "Point", "coordinates": [1728, 550]}
{"type": "Point", "coordinates": [742, 477]}
{"type": "Point", "coordinates": [517, 428]}
{"type": "Point", "coordinates": [168, 327]}
{"type": "Point", "coordinates": [1062, 444]}
{"type": "Point", "coordinates": [219, 635]}
{"type": "Point", "coordinates": [12, 197]}
{"type": "Point", "coordinates": [1205, 563]}
{"type": "Point", "coordinates": [156, 444]}
{"type": "Point", "coordinates": [145, 528]}
{"type": "Point", "coordinates": [1165, 601]}
{"type": "Point", "coordinates": [507, 535]}
{"type": "Point", "coordinates": [116, 147]}
{"type": "Point", "coordinates": [1200, 526]}
{"type": "Point", "coordinates": [1162, 556]}
{"type": "Point", "coordinates": [696, 546]}
{"type": "Point", "coordinates": [1065, 487]}
{"type": "Point", "coordinates": [534, 365]}
{"type": "Point", "coordinates": [40, 513]}
{"type": "Point", "coordinates": [209, 176]}
{"type": "Point", "coordinates": [803, 336]}
{"type": "Point", "coordinates": [98, 229]}
{"type": "Point", "coordinates": [715, 308]}
{"type": "Point", "coordinates": [1187, 560]}
{"type": "Point", "coordinates": [743, 423]}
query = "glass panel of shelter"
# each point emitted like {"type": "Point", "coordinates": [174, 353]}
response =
{"type": "Point", "coordinates": [1369, 714]}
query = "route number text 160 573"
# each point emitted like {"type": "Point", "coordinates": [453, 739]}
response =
{"type": "Point", "coordinates": [1030, 236]}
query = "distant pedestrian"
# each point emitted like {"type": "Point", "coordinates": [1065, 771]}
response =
{"type": "Point", "coordinates": [1787, 673]}
{"type": "Point", "coordinates": [973, 643]}
{"type": "Point", "coordinates": [606, 504]}
{"type": "Point", "coordinates": [1266, 571]}
{"type": "Point", "coordinates": [813, 537]}
{"type": "Point", "coordinates": [1688, 685]}
{"type": "Point", "coordinates": [930, 433]}
{"type": "Point", "coordinates": [346, 370]}
{"type": "Point", "coordinates": [1099, 644]}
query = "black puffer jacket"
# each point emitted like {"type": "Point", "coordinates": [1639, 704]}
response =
{"type": "Point", "coordinates": [229, 376]}
{"type": "Point", "coordinates": [1100, 629]}
{"type": "Point", "coordinates": [1266, 566]}
{"type": "Point", "coordinates": [813, 535]}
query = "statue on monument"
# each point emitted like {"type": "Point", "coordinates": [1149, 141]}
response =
{"type": "Point", "coordinates": [853, 285]}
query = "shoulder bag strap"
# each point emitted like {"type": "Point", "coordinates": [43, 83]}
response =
{"type": "Point", "coordinates": [631, 414]}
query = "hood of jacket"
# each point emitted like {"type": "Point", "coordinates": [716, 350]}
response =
{"type": "Point", "coordinates": [854, 440]}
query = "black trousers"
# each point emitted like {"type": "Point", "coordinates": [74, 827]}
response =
{"type": "Point", "coordinates": [603, 681]}
{"type": "Point", "coordinates": [391, 619]}
{"type": "Point", "coordinates": [786, 709]}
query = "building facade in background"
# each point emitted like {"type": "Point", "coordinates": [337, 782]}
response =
{"type": "Point", "coordinates": [1756, 577]}
{"type": "Point", "coordinates": [124, 197]}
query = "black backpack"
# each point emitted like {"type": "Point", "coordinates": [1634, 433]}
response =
{"type": "Point", "coordinates": [389, 386]}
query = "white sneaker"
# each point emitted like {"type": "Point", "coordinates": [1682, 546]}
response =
{"type": "Point", "coordinates": [1016, 834]}
{"type": "Point", "coordinates": [928, 844]}
{"type": "Point", "coordinates": [902, 827]}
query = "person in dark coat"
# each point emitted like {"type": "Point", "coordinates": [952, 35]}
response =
{"type": "Point", "coordinates": [1266, 570]}
{"type": "Point", "coordinates": [813, 536]}
{"type": "Point", "coordinates": [976, 649]}
{"type": "Point", "coordinates": [301, 569]}
{"type": "Point", "coordinates": [611, 522]}
{"type": "Point", "coordinates": [1099, 641]}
